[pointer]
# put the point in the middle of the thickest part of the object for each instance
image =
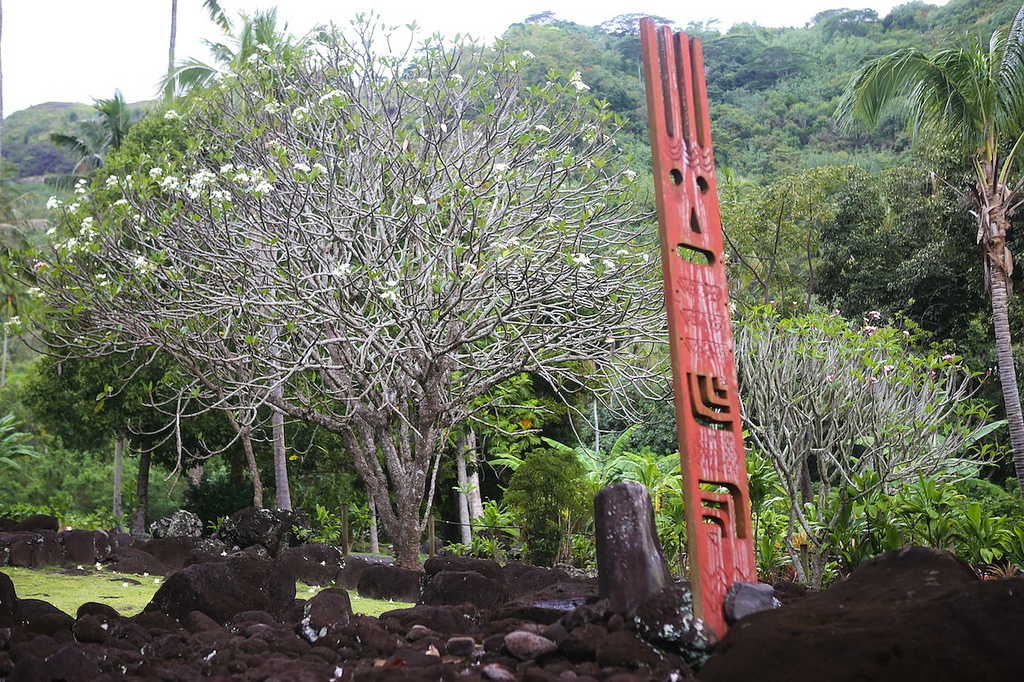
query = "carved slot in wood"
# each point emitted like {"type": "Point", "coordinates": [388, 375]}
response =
{"type": "Point", "coordinates": [709, 397]}
{"type": "Point", "coordinates": [691, 254]}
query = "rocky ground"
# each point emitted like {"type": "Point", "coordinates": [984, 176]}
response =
{"type": "Point", "coordinates": [913, 614]}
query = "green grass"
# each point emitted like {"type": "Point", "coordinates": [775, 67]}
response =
{"type": "Point", "coordinates": [129, 593]}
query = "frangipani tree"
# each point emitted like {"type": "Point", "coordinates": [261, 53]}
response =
{"type": "Point", "coordinates": [372, 243]}
{"type": "Point", "coordinates": [844, 410]}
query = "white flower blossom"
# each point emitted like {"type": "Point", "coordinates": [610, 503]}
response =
{"type": "Point", "coordinates": [156, 172]}
{"type": "Point", "coordinates": [342, 269]}
{"type": "Point", "coordinates": [422, 81]}
{"type": "Point", "coordinates": [577, 82]}
{"type": "Point", "coordinates": [121, 202]}
{"type": "Point", "coordinates": [111, 181]}
{"type": "Point", "coordinates": [143, 264]}
{"type": "Point", "coordinates": [513, 63]}
{"type": "Point", "coordinates": [35, 291]}
{"type": "Point", "coordinates": [220, 195]}
{"type": "Point", "coordinates": [541, 128]}
{"type": "Point", "coordinates": [263, 187]}
{"type": "Point", "coordinates": [500, 167]}
{"type": "Point", "coordinates": [608, 264]}
{"type": "Point", "coordinates": [171, 115]}
{"type": "Point", "coordinates": [528, 55]}
{"type": "Point", "coordinates": [202, 177]}
{"type": "Point", "coordinates": [300, 114]}
{"type": "Point", "coordinates": [52, 231]}
{"type": "Point", "coordinates": [227, 168]}
{"type": "Point", "coordinates": [73, 207]}
{"type": "Point", "coordinates": [419, 201]}
{"type": "Point", "coordinates": [320, 167]}
{"type": "Point", "coordinates": [581, 259]}
{"type": "Point", "coordinates": [457, 77]}
{"type": "Point", "coordinates": [629, 174]}
{"type": "Point", "coordinates": [170, 183]}
{"type": "Point", "coordinates": [253, 58]}
{"type": "Point", "coordinates": [52, 203]}
{"type": "Point", "coordinates": [263, 47]}
{"type": "Point", "coordinates": [272, 108]}
{"type": "Point", "coordinates": [302, 168]}
{"type": "Point", "coordinates": [331, 95]}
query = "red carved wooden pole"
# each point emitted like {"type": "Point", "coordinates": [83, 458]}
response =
{"type": "Point", "coordinates": [719, 540]}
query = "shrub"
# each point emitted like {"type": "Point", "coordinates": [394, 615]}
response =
{"type": "Point", "coordinates": [547, 494]}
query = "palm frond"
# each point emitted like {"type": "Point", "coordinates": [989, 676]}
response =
{"type": "Point", "coordinates": [1011, 80]}
{"type": "Point", "coordinates": [191, 75]}
{"type": "Point", "coordinates": [217, 15]}
{"type": "Point", "coordinates": [946, 91]}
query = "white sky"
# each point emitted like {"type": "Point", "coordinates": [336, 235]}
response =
{"type": "Point", "coordinates": [77, 51]}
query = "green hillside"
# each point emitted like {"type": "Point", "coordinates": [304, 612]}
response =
{"type": "Point", "coordinates": [27, 145]}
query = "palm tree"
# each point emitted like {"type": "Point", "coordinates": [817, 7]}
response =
{"type": "Point", "coordinates": [971, 95]}
{"type": "Point", "coordinates": [168, 92]}
{"type": "Point", "coordinates": [259, 29]}
{"type": "Point", "coordinates": [96, 137]}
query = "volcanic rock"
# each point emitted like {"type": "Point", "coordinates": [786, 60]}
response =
{"type": "Point", "coordinates": [666, 619]}
{"type": "Point", "coordinates": [274, 530]}
{"type": "Point", "coordinates": [630, 563]}
{"type": "Point", "coordinates": [379, 581]}
{"type": "Point", "coordinates": [221, 590]}
{"type": "Point", "coordinates": [745, 599]}
{"type": "Point", "coordinates": [313, 564]}
{"type": "Point", "coordinates": [39, 522]}
{"type": "Point", "coordinates": [180, 524]}
{"type": "Point", "coordinates": [453, 587]}
{"type": "Point", "coordinates": [909, 614]}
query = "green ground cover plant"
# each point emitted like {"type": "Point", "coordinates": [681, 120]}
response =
{"type": "Point", "coordinates": [128, 594]}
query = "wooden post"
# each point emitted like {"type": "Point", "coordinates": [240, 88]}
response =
{"type": "Point", "coordinates": [719, 541]}
{"type": "Point", "coordinates": [430, 536]}
{"type": "Point", "coordinates": [344, 531]}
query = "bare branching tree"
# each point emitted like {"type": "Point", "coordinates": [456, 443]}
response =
{"type": "Point", "coordinates": [843, 411]}
{"type": "Point", "coordinates": [371, 243]}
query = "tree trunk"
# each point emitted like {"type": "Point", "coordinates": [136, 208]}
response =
{"type": "Point", "coordinates": [119, 445]}
{"type": "Point", "coordinates": [283, 497]}
{"type": "Point", "coordinates": [1007, 372]}
{"type": "Point", "coordinates": [806, 485]}
{"type": "Point", "coordinates": [374, 538]}
{"type": "Point", "coordinates": [3, 356]}
{"type": "Point", "coordinates": [994, 224]}
{"type": "Point", "coordinates": [476, 503]}
{"type": "Point", "coordinates": [250, 457]}
{"type": "Point", "coordinates": [463, 492]}
{"type": "Point", "coordinates": [138, 526]}
{"type": "Point", "coordinates": [169, 90]}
